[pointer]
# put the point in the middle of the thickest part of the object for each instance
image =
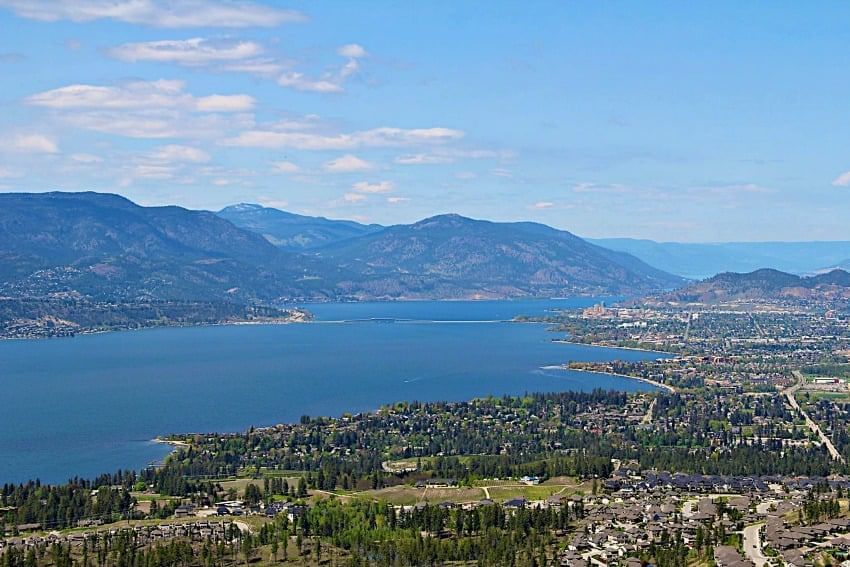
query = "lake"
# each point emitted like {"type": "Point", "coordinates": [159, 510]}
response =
{"type": "Point", "coordinates": [92, 404]}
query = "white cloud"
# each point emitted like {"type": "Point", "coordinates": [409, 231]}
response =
{"type": "Point", "coordinates": [842, 180]}
{"type": "Point", "coordinates": [299, 81]}
{"type": "Point", "coordinates": [381, 187]}
{"type": "Point", "coordinates": [347, 163]}
{"type": "Point", "coordinates": [376, 137]}
{"type": "Point", "coordinates": [501, 172]}
{"type": "Point", "coordinates": [138, 95]}
{"type": "Point", "coordinates": [147, 109]}
{"type": "Point", "coordinates": [397, 200]}
{"type": "Point", "coordinates": [158, 13]}
{"type": "Point", "coordinates": [352, 51]}
{"type": "Point", "coordinates": [224, 103]}
{"type": "Point", "coordinates": [176, 153]}
{"type": "Point", "coordinates": [32, 144]}
{"type": "Point", "coordinates": [263, 67]}
{"type": "Point", "coordinates": [284, 167]}
{"type": "Point", "coordinates": [540, 205]}
{"type": "Point", "coordinates": [353, 197]}
{"type": "Point", "coordinates": [191, 52]}
{"type": "Point", "coordinates": [6, 173]}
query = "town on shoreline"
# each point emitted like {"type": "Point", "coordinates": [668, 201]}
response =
{"type": "Point", "coordinates": [739, 457]}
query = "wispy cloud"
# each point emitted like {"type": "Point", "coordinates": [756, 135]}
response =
{"type": "Point", "coordinates": [451, 155]}
{"type": "Point", "coordinates": [842, 180]}
{"type": "Point", "coordinates": [86, 158]}
{"type": "Point", "coordinates": [615, 188]}
{"type": "Point", "coordinates": [422, 159]}
{"type": "Point", "coordinates": [190, 52]}
{"type": "Point", "coordinates": [354, 197]}
{"type": "Point", "coordinates": [380, 187]}
{"type": "Point", "coordinates": [331, 82]}
{"type": "Point", "coordinates": [157, 13]}
{"type": "Point", "coordinates": [146, 109]}
{"type": "Point", "coordinates": [176, 153]}
{"type": "Point", "coordinates": [540, 205]}
{"type": "Point", "coordinates": [376, 137]}
{"type": "Point", "coordinates": [31, 143]}
{"type": "Point", "coordinates": [285, 167]}
{"type": "Point", "coordinates": [138, 95]}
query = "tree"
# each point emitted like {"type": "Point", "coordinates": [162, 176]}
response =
{"type": "Point", "coordinates": [248, 547]}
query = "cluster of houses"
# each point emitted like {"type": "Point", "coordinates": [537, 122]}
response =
{"type": "Point", "coordinates": [291, 510]}
{"type": "Point", "coordinates": [627, 480]}
{"type": "Point", "coordinates": [142, 535]}
{"type": "Point", "coordinates": [624, 527]}
{"type": "Point", "coordinates": [793, 542]}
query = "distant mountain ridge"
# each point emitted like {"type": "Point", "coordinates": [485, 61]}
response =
{"type": "Point", "coordinates": [764, 284]}
{"type": "Point", "coordinates": [103, 246]}
{"type": "Point", "coordinates": [291, 231]}
{"type": "Point", "coordinates": [445, 254]}
{"type": "Point", "coordinates": [701, 260]}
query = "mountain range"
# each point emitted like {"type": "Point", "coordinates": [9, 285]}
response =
{"type": "Point", "coordinates": [702, 260]}
{"type": "Point", "coordinates": [764, 284]}
{"type": "Point", "coordinates": [103, 246]}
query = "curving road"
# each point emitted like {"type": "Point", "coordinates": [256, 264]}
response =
{"type": "Point", "coordinates": [752, 545]}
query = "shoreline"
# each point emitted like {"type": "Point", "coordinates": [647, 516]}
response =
{"type": "Point", "coordinates": [175, 446]}
{"type": "Point", "coordinates": [601, 345]}
{"type": "Point", "coordinates": [658, 385]}
{"type": "Point", "coordinates": [91, 332]}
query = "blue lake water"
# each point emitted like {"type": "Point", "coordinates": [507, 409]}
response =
{"type": "Point", "coordinates": [91, 404]}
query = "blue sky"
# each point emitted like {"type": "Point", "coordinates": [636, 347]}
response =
{"type": "Point", "coordinates": [665, 120]}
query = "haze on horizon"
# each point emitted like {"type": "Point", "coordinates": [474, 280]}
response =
{"type": "Point", "coordinates": [659, 120]}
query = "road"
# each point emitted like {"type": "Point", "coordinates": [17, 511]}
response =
{"type": "Point", "coordinates": [243, 527]}
{"type": "Point", "coordinates": [792, 401]}
{"type": "Point", "coordinates": [647, 419]}
{"type": "Point", "coordinates": [752, 545]}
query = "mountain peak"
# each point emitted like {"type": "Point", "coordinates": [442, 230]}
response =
{"type": "Point", "coordinates": [242, 207]}
{"type": "Point", "coordinates": [445, 220]}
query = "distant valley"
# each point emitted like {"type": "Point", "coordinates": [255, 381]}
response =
{"type": "Point", "coordinates": [289, 231]}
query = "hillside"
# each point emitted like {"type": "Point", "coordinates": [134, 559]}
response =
{"type": "Point", "coordinates": [103, 247]}
{"type": "Point", "coordinates": [290, 231]}
{"type": "Point", "coordinates": [764, 285]}
{"type": "Point", "coordinates": [106, 247]}
{"type": "Point", "coordinates": [701, 260]}
{"type": "Point", "coordinates": [450, 256]}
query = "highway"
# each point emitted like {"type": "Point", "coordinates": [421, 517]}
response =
{"type": "Point", "coordinates": [792, 401]}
